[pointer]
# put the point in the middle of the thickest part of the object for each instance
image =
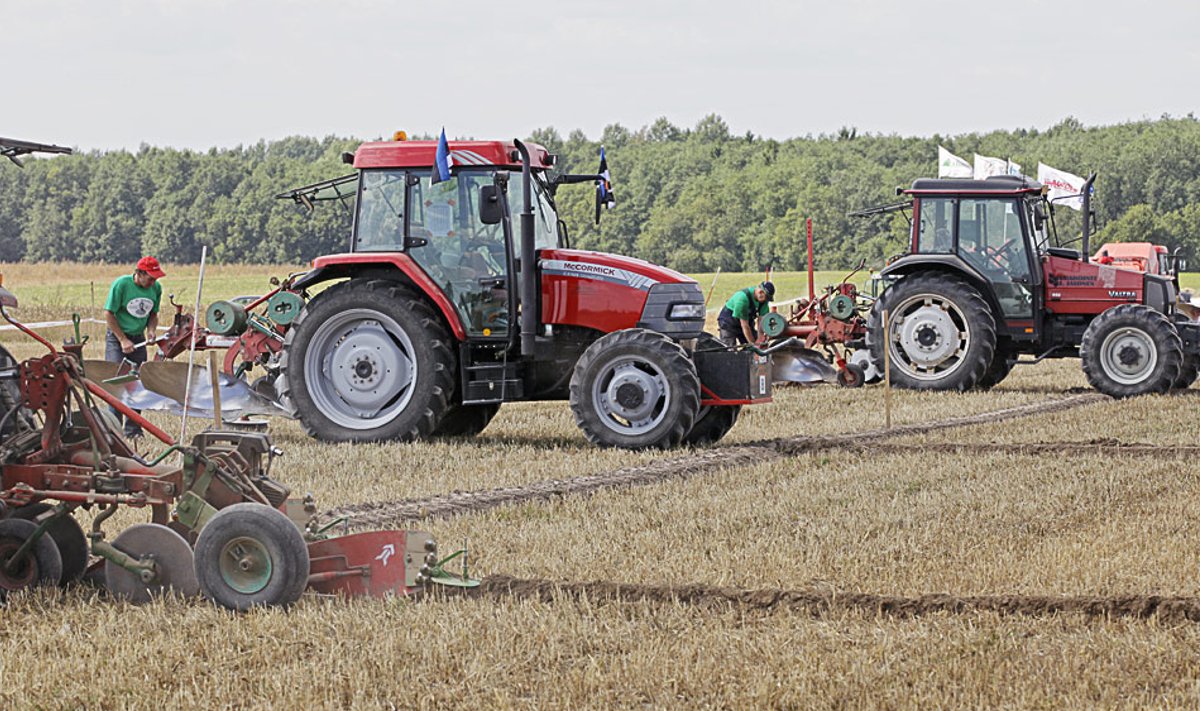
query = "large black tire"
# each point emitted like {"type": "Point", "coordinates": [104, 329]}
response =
{"type": "Point", "coordinates": [368, 360]}
{"type": "Point", "coordinates": [1002, 364]}
{"type": "Point", "coordinates": [251, 555]}
{"type": "Point", "coordinates": [465, 420]}
{"type": "Point", "coordinates": [713, 422]}
{"type": "Point", "coordinates": [42, 567]}
{"type": "Point", "coordinates": [20, 418]}
{"type": "Point", "coordinates": [68, 537]}
{"type": "Point", "coordinates": [635, 389]}
{"type": "Point", "coordinates": [943, 332]}
{"type": "Point", "coordinates": [1131, 350]}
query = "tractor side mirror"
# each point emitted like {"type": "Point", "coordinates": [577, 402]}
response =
{"type": "Point", "coordinates": [491, 212]}
{"type": "Point", "coordinates": [1039, 216]}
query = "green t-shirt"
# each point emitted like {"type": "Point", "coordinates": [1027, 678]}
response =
{"type": "Point", "coordinates": [131, 304]}
{"type": "Point", "coordinates": [740, 305]}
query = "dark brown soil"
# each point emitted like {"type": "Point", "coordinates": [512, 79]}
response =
{"type": "Point", "coordinates": [818, 603]}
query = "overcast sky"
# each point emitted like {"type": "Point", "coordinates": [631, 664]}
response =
{"type": "Point", "coordinates": [102, 74]}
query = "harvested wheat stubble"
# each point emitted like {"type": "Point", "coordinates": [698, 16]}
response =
{"type": "Point", "coordinates": [394, 513]}
{"type": "Point", "coordinates": [817, 603]}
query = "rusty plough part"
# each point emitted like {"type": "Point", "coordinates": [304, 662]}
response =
{"type": "Point", "coordinates": [219, 524]}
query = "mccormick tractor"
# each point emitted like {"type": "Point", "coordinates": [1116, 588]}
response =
{"type": "Point", "coordinates": [446, 307]}
{"type": "Point", "coordinates": [987, 280]}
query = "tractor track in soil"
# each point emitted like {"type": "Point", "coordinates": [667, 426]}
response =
{"type": "Point", "coordinates": [823, 603]}
{"type": "Point", "coordinates": [372, 515]}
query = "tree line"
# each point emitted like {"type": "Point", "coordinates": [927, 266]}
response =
{"type": "Point", "coordinates": [695, 199]}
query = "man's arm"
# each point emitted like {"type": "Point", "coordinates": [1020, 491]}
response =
{"type": "Point", "coordinates": [746, 331]}
{"type": "Point", "coordinates": [111, 319]}
{"type": "Point", "coordinates": [152, 327]}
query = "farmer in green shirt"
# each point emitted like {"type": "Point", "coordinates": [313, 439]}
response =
{"type": "Point", "coordinates": [739, 319]}
{"type": "Point", "coordinates": [131, 312]}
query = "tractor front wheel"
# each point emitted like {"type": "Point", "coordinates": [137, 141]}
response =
{"type": "Point", "coordinates": [1131, 350]}
{"type": "Point", "coordinates": [368, 360]}
{"type": "Point", "coordinates": [635, 389]}
{"type": "Point", "coordinates": [941, 333]}
{"type": "Point", "coordinates": [251, 555]}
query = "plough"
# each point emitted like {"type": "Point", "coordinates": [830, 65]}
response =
{"type": "Point", "coordinates": [220, 524]}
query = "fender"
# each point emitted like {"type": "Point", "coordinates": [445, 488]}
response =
{"type": "Point", "coordinates": [337, 266]}
{"type": "Point", "coordinates": [951, 263]}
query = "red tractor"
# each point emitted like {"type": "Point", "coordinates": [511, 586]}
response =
{"type": "Point", "coordinates": [446, 307]}
{"type": "Point", "coordinates": [987, 280]}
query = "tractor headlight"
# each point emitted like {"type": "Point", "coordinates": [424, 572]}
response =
{"type": "Point", "coordinates": [687, 311]}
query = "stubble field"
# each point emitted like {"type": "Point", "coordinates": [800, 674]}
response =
{"type": "Point", "coordinates": [1043, 555]}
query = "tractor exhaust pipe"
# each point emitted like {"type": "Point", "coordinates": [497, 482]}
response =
{"type": "Point", "coordinates": [1087, 217]}
{"type": "Point", "coordinates": [528, 266]}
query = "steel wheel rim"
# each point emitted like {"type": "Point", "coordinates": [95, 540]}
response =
{"type": "Point", "coordinates": [631, 396]}
{"type": "Point", "coordinates": [245, 565]}
{"type": "Point", "coordinates": [363, 371]}
{"type": "Point", "coordinates": [929, 337]}
{"type": "Point", "coordinates": [1128, 355]}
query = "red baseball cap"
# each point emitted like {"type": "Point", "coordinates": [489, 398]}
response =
{"type": "Point", "coordinates": [150, 266]}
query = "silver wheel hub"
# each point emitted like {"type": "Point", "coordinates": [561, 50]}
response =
{"type": "Point", "coordinates": [1128, 355]}
{"type": "Point", "coordinates": [929, 337]}
{"type": "Point", "coordinates": [360, 369]}
{"type": "Point", "coordinates": [631, 397]}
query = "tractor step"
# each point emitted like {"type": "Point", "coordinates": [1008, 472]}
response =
{"type": "Point", "coordinates": [489, 383]}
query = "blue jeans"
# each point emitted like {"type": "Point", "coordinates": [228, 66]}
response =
{"type": "Point", "coordinates": [114, 354]}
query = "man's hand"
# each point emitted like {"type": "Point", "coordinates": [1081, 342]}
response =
{"type": "Point", "coordinates": [126, 346]}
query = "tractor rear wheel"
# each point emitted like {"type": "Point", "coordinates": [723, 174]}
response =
{"type": "Point", "coordinates": [251, 555]}
{"type": "Point", "coordinates": [1131, 350]}
{"type": "Point", "coordinates": [465, 420]}
{"type": "Point", "coordinates": [41, 566]}
{"type": "Point", "coordinates": [635, 389]}
{"type": "Point", "coordinates": [942, 334]}
{"type": "Point", "coordinates": [368, 360]}
{"type": "Point", "coordinates": [1002, 364]}
{"type": "Point", "coordinates": [715, 421]}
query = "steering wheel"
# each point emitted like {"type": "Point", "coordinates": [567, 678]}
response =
{"type": "Point", "coordinates": [996, 254]}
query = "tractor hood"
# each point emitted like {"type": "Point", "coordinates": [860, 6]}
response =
{"type": "Point", "coordinates": [613, 268]}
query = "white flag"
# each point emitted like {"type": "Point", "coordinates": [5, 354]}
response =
{"type": "Point", "coordinates": [985, 167]}
{"type": "Point", "coordinates": [1061, 184]}
{"type": "Point", "coordinates": [951, 166]}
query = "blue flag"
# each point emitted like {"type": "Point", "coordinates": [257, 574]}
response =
{"type": "Point", "coordinates": [441, 162]}
{"type": "Point", "coordinates": [604, 194]}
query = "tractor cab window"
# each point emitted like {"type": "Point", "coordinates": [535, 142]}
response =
{"type": "Point", "coordinates": [991, 238]}
{"type": "Point", "coordinates": [936, 228]}
{"type": "Point", "coordinates": [465, 257]}
{"type": "Point", "coordinates": [545, 218]}
{"type": "Point", "coordinates": [379, 225]}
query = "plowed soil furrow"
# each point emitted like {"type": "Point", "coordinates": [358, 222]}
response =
{"type": "Point", "coordinates": [818, 603]}
{"type": "Point", "coordinates": [1113, 448]}
{"type": "Point", "coordinates": [397, 513]}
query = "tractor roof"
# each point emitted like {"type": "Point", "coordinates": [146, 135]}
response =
{"type": "Point", "coordinates": [420, 154]}
{"type": "Point", "coordinates": [996, 184]}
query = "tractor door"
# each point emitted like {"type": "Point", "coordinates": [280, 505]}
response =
{"type": "Point", "coordinates": [466, 257]}
{"type": "Point", "coordinates": [992, 238]}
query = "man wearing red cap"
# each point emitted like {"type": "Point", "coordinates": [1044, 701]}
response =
{"type": "Point", "coordinates": [131, 312]}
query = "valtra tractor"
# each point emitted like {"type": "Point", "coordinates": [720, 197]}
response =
{"type": "Point", "coordinates": [987, 280]}
{"type": "Point", "coordinates": [462, 294]}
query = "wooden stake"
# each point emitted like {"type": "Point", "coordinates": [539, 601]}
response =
{"type": "Point", "coordinates": [216, 387]}
{"type": "Point", "coordinates": [711, 288]}
{"type": "Point", "coordinates": [887, 372]}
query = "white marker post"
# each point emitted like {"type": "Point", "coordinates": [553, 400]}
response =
{"type": "Point", "coordinates": [187, 388]}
